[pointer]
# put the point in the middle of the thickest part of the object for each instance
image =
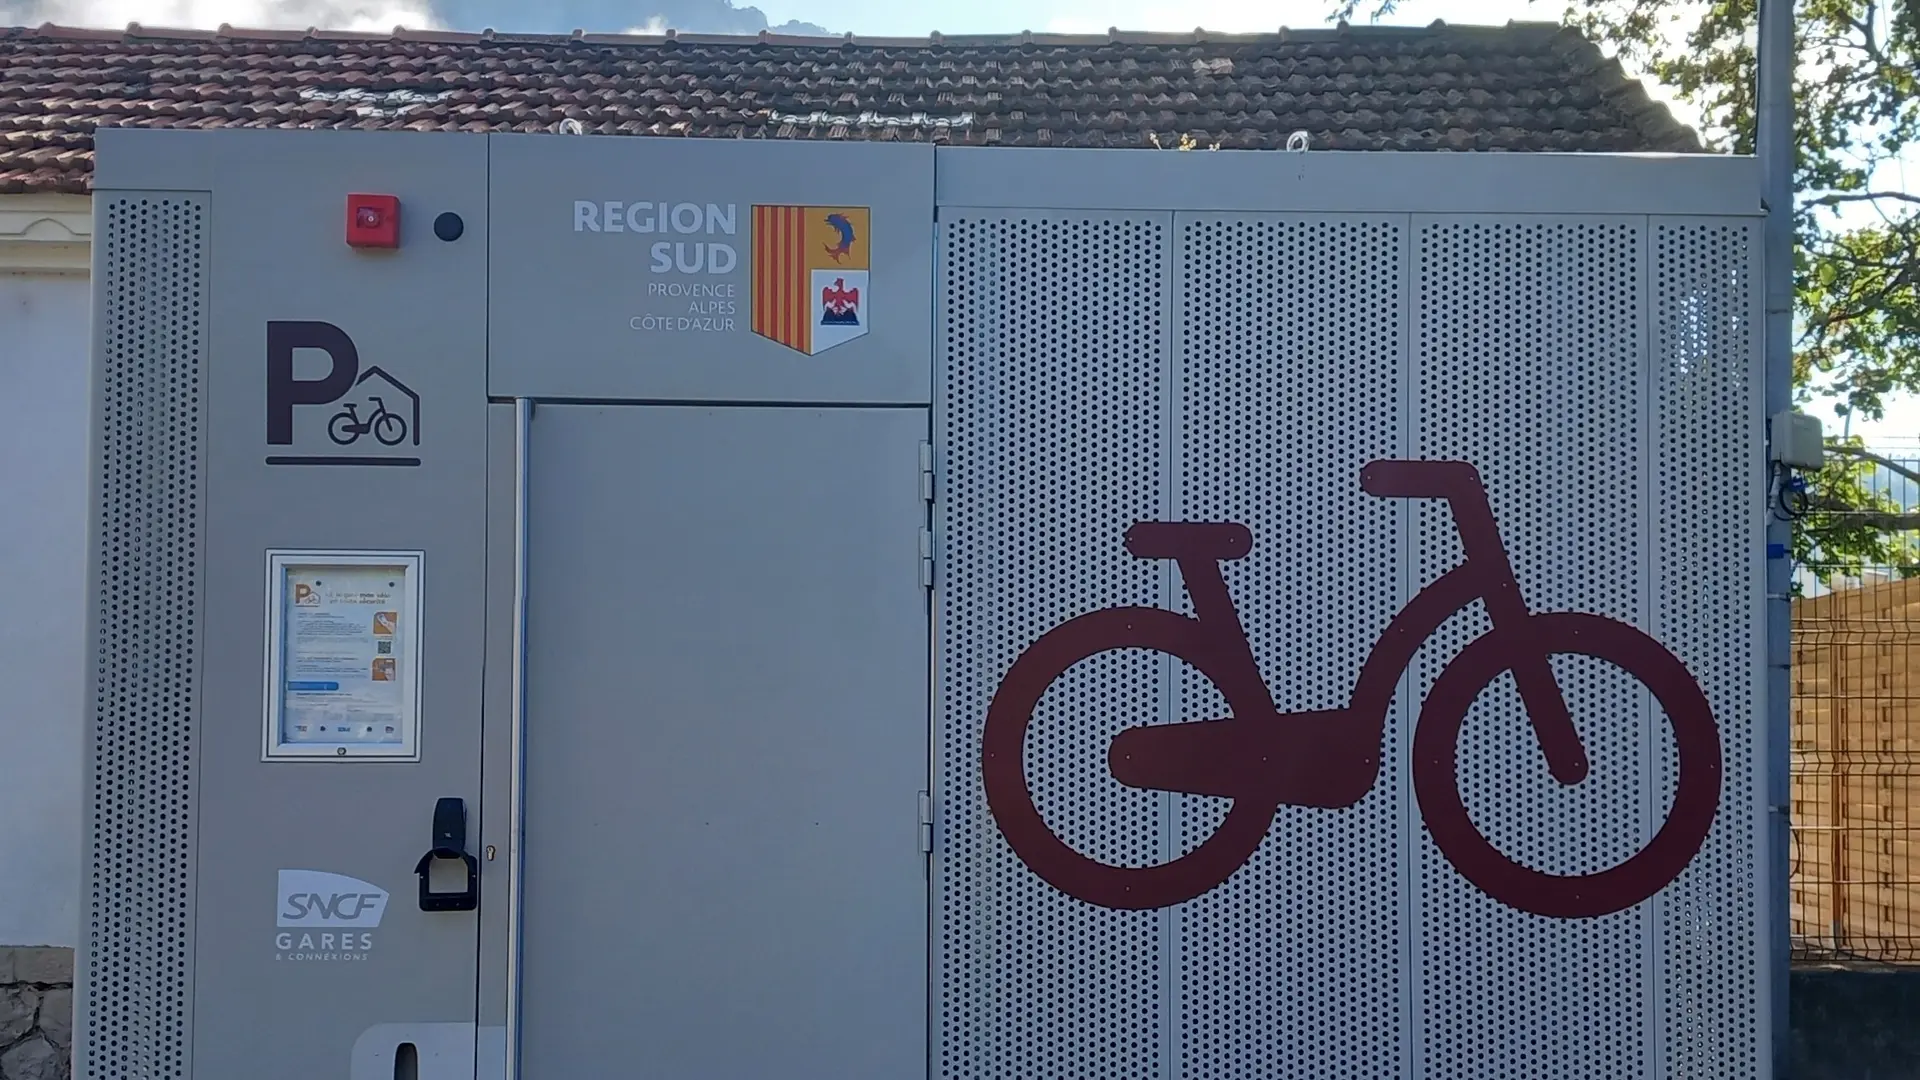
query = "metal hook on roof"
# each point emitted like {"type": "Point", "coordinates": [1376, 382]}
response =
{"type": "Point", "coordinates": [1298, 141]}
{"type": "Point", "coordinates": [570, 126]}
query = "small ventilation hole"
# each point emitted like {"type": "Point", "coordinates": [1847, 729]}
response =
{"type": "Point", "coordinates": [1280, 317]}
{"type": "Point", "coordinates": [1596, 369]}
{"type": "Point", "coordinates": [1054, 364]}
{"type": "Point", "coordinates": [406, 1062]}
{"type": "Point", "coordinates": [1703, 408]}
{"type": "Point", "coordinates": [151, 312]}
{"type": "Point", "coordinates": [1529, 341]}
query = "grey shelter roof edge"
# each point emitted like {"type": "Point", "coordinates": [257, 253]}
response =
{"type": "Point", "coordinates": [1517, 87]}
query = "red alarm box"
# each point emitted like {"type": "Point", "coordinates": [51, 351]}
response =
{"type": "Point", "coordinates": [373, 221]}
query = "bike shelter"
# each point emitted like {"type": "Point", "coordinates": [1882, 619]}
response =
{"type": "Point", "coordinates": [578, 606]}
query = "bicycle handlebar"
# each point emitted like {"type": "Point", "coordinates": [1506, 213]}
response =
{"type": "Point", "coordinates": [1421, 480]}
{"type": "Point", "coordinates": [1456, 481]}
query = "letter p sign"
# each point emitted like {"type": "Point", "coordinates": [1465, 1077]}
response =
{"type": "Point", "coordinates": [285, 391]}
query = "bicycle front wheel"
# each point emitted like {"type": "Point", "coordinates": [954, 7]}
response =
{"type": "Point", "coordinates": [1436, 784]}
{"type": "Point", "coordinates": [1010, 799]}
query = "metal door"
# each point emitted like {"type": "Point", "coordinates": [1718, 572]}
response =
{"type": "Point", "coordinates": [725, 750]}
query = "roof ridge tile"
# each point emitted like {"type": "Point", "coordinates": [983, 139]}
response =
{"type": "Point", "coordinates": [1518, 86]}
{"type": "Point", "coordinates": [1343, 30]}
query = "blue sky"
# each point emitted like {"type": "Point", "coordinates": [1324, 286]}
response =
{"type": "Point", "coordinates": [903, 18]}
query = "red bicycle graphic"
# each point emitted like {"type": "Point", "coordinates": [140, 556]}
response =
{"type": "Point", "coordinates": [1261, 758]}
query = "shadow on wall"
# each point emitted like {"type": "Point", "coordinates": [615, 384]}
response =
{"type": "Point", "coordinates": [45, 323]}
{"type": "Point", "coordinates": [1855, 1024]}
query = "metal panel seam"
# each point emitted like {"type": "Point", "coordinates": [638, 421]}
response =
{"type": "Point", "coordinates": [1406, 697]}
{"type": "Point", "coordinates": [1653, 922]}
{"type": "Point", "coordinates": [1174, 310]}
{"type": "Point", "coordinates": [1772, 841]}
{"type": "Point", "coordinates": [204, 482]}
{"type": "Point", "coordinates": [516, 813]}
{"type": "Point", "coordinates": [479, 818]}
{"type": "Point", "coordinates": [935, 279]}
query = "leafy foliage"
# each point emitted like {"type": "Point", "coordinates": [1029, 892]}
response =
{"type": "Point", "coordinates": [1853, 521]}
{"type": "Point", "coordinates": [1857, 224]}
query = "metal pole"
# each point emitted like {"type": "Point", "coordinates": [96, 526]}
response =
{"type": "Point", "coordinates": [1774, 147]}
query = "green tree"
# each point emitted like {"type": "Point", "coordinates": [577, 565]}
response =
{"type": "Point", "coordinates": [1857, 222]}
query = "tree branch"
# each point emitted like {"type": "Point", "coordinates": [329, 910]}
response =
{"type": "Point", "coordinates": [1905, 275]}
{"type": "Point", "coordinates": [1817, 328]}
{"type": "Point", "coordinates": [1864, 196]}
{"type": "Point", "coordinates": [1877, 520]}
{"type": "Point", "coordinates": [1870, 43]}
{"type": "Point", "coordinates": [1867, 455]}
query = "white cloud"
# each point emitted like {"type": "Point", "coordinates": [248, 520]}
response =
{"type": "Point", "coordinates": [364, 15]}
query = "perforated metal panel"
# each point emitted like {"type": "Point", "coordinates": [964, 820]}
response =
{"type": "Point", "coordinates": [151, 316]}
{"type": "Point", "coordinates": [1597, 371]}
{"type": "Point", "coordinates": [1705, 417]}
{"type": "Point", "coordinates": [1529, 347]}
{"type": "Point", "coordinates": [1291, 333]}
{"type": "Point", "coordinates": [1052, 424]}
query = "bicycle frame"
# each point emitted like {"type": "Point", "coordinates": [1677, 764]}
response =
{"type": "Point", "coordinates": [1331, 758]}
{"type": "Point", "coordinates": [352, 410]}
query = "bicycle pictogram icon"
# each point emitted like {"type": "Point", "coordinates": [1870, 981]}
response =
{"type": "Point", "coordinates": [346, 426]}
{"type": "Point", "coordinates": [1261, 758]}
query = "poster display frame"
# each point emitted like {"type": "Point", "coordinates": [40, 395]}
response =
{"type": "Point", "coordinates": [404, 637]}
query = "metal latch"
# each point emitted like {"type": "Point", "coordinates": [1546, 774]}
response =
{"type": "Point", "coordinates": [449, 842]}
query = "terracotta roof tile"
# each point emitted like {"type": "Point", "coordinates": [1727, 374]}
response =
{"type": "Point", "coordinates": [1523, 86]}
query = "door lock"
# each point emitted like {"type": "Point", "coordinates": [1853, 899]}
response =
{"type": "Point", "coordinates": [449, 842]}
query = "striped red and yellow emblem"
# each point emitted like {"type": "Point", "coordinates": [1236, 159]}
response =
{"type": "Point", "coordinates": [810, 275]}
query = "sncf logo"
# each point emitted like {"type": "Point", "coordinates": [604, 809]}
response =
{"type": "Point", "coordinates": [310, 898]}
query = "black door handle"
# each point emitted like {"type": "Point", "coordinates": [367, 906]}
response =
{"type": "Point", "coordinates": [449, 842]}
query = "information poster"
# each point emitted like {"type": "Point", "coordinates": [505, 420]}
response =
{"type": "Point", "coordinates": [343, 655]}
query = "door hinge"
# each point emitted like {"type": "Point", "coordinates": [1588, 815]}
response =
{"type": "Point", "coordinates": [926, 823]}
{"type": "Point", "coordinates": [926, 530]}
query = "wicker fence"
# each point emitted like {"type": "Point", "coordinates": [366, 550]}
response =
{"type": "Point", "coordinates": [1855, 874]}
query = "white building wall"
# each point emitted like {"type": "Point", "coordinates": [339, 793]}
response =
{"type": "Point", "coordinates": [44, 380]}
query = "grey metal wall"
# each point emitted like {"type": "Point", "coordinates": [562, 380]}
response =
{"type": "Point", "coordinates": [1289, 376]}
{"type": "Point", "coordinates": [1712, 958]}
{"type": "Point", "coordinates": [134, 968]}
{"type": "Point", "coordinates": [1168, 337]}
{"type": "Point", "coordinates": [1051, 428]}
{"type": "Point", "coordinates": [1103, 366]}
{"type": "Point", "coordinates": [183, 972]}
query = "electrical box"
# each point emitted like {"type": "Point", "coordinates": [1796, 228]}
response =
{"type": "Point", "coordinates": [1796, 440]}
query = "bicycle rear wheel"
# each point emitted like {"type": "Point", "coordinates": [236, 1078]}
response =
{"type": "Point", "coordinates": [389, 429]}
{"type": "Point", "coordinates": [1003, 767]}
{"type": "Point", "coordinates": [1696, 799]}
{"type": "Point", "coordinates": [341, 429]}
